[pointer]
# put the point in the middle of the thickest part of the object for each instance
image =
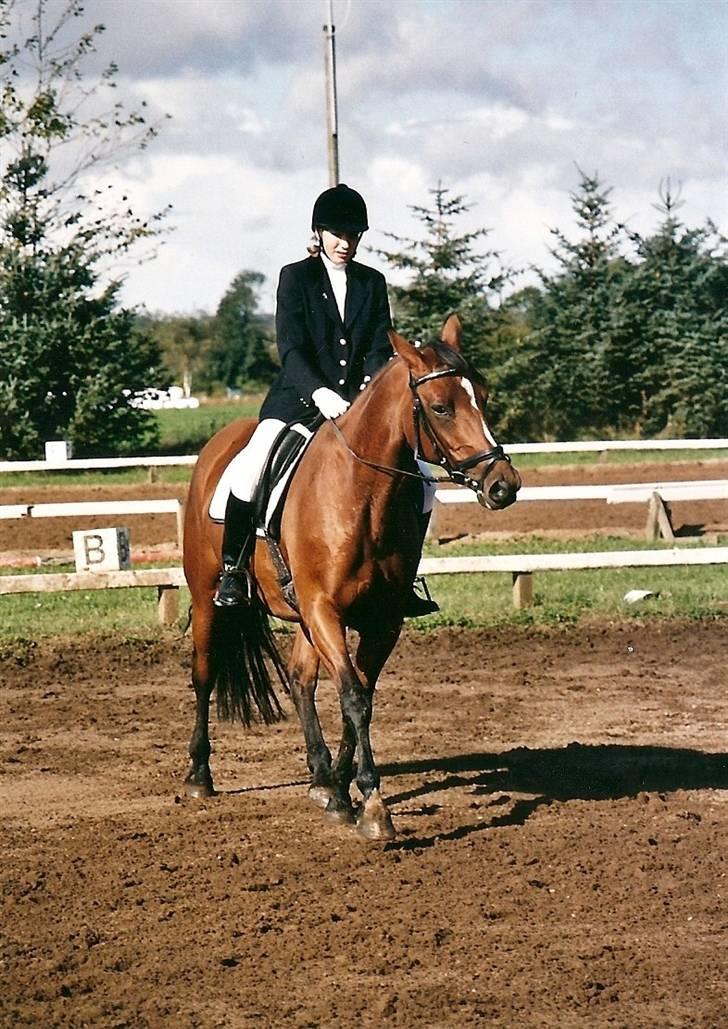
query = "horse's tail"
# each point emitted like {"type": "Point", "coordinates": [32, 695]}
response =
{"type": "Point", "coordinates": [242, 640]}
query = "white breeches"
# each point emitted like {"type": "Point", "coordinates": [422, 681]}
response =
{"type": "Point", "coordinates": [242, 474]}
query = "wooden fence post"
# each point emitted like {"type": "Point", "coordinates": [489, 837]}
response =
{"type": "Point", "coordinates": [659, 522]}
{"type": "Point", "coordinates": [522, 589]}
{"type": "Point", "coordinates": [168, 604]}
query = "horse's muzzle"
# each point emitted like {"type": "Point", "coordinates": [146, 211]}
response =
{"type": "Point", "coordinates": [500, 488]}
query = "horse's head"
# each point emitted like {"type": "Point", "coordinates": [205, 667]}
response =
{"type": "Point", "coordinates": [449, 425]}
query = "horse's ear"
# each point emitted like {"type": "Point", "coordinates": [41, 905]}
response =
{"type": "Point", "coordinates": [410, 354]}
{"type": "Point", "coordinates": [452, 330]}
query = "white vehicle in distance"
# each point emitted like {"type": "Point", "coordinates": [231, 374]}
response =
{"type": "Point", "coordinates": [153, 399]}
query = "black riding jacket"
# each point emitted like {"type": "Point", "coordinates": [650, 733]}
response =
{"type": "Point", "coordinates": [316, 348]}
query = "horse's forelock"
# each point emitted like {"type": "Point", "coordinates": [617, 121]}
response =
{"type": "Point", "coordinates": [455, 360]}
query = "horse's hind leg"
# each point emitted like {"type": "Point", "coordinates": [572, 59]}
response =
{"type": "Point", "coordinates": [303, 676]}
{"type": "Point", "coordinates": [199, 778]}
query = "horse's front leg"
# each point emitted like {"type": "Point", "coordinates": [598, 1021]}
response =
{"type": "Point", "coordinates": [355, 698]}
{"type": "Point", "coordinates": [375, 645]}
{"type": "Point", "coordinates": [199, 778]}
{"type": "Point", "coordinates": [303, 669]}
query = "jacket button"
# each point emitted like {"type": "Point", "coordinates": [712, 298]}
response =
{"type": "Point", "coordinates": [342, 381]}
{"type": "Point", "coordinates": [342, 341]}
{"type": "Point", "coordinates": [342, 363]}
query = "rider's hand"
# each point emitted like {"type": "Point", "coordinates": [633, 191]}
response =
{"type": "Point", "coordinates": [329, 403]}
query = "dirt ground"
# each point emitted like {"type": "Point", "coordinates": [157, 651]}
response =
{"type": "Point", "coordinates": [561, 799]}
{"type": "Point", "coordinates": [560, 796]}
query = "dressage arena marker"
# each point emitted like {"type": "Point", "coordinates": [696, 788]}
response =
{"type": "Point", "coordinates": [101, 550]}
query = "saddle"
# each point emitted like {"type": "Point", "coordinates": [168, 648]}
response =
{"type": "Point", "coordinates": [275, 480]}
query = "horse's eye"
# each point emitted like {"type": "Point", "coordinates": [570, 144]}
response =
{"type": "Point", "coordinates": [442, 410]}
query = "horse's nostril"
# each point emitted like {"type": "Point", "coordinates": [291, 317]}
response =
{"type": "Point", "coordinates": [499, 490]}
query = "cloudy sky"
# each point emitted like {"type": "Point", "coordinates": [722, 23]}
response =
{"type": "Point", "coordinates": [499, 100]}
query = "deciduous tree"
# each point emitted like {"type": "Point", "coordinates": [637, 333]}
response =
{"type": "Point", "coordinates": [70, 356]}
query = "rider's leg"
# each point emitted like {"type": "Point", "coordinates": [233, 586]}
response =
{"type": "Point", "coordinates": [237, 543]}
{"type": "Point", "coordinates": [417, 605]}
{"type": "Point", "coordinates": [239, 533]}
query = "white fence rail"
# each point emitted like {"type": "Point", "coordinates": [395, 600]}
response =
{"type": "Point", "coordinates": [521, 567]}
{"type": "Point", "coordinates": [576, 447]}
{"type": "Point", "coordinates": [99, 463]}
{"type": "Point", "coordinates": [613, 493]}
{"type": "Point", "coordinates": [100, 508]}
{"type": "Point", "coordinates": [167, 581]}
{"type": "Point", "coordinates": [602, 446]}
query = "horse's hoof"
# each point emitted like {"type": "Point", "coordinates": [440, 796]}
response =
{"type": "Point", "coordinates": [320, 795]}
{"type": "Point", "coordinates": [381, 831]}
{"type": "Point", "coordinates": [338, 813]}
{"type": "Point", "coordinates": [199, 790]}
{"type": "Point", "coordinates": [374, 823]}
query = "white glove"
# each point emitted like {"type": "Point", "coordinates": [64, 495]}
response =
{"type": "Point", "coordinates": [329, 403]}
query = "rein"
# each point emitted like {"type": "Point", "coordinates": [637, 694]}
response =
{"type": "Point", "coordinates": [454, 471]}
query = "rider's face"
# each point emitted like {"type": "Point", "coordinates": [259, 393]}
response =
{"type": "Point", "coordinates": [340, 247]}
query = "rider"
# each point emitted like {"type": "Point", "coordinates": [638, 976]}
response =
{"type": "Point", "coordinates": [332, 320]}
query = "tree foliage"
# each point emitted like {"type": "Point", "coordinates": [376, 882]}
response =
{"type": "Point", "coordinates": [70, 357]}
{"type": "Point", "coordinates": [676, 381]}
{"type": "Point", "coordinates": [557, 382]}
{"type": "Point", "coordinates": [184, 342]}
{"type": "Point", "coordinates": [629, 336]}
{"type": "Point", "coordinates": [240, 352]}
{"type": "Point", "coordinates": [448, 272]}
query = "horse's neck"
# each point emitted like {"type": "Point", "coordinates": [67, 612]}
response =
{"type": "Point", "coordinates": [375, 426]}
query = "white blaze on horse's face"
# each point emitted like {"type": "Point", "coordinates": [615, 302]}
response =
{"type": "Point", "coordinates": [468, 387]}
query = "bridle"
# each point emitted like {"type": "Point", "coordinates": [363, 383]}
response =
{"type": "Point", "coordinates": [455, 471]}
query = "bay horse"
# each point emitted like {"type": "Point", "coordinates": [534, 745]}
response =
{"type": "Point", "coordinates": [350, 539]}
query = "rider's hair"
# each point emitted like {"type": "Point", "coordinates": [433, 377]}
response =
{"type": "Point", "coordinates": [314, 245]}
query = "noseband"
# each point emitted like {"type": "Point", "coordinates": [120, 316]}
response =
{"type": "Point", "coordinates": [455, 469]}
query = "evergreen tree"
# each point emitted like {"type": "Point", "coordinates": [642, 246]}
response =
{"type": "Point", "coordinates": [558, 382]}
{"type": "Point", "coordinates": [448, 274]}
{"type": "Point", "coordinates": [240, 352]}
{"type": "Point", "coordinates": [70, 358]}
{"type": "Point", "coordinates": [677, 301]}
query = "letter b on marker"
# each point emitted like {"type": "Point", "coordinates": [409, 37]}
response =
{"type": "Point", "coordinates": [101, 550]}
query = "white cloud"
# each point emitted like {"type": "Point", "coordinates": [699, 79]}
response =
{"type": "Point", "coordinates": [498, 100]}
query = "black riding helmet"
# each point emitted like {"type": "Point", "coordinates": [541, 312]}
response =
{"type": "Point", "coordinates": [340, 209]}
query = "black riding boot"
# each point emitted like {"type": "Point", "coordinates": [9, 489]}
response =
{"type": "Point", "coordinates": [238, 540]}
{"type": "Point", "coordinates": [416, 605]}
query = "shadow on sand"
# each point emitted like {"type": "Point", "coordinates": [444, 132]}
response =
{"type": "Point", "coordinates": [574, 772]}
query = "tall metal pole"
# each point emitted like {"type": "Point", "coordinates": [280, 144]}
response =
{"type": "Point", "coordinates": [331, 112]}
